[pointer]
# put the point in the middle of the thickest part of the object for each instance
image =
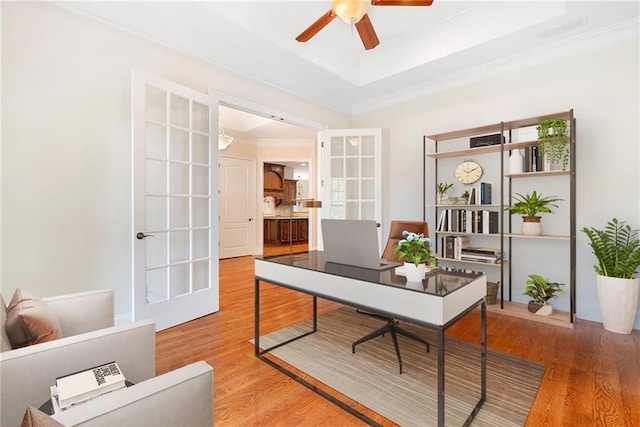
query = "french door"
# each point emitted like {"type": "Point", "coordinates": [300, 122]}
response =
{"type": "Point", "coordinates": [175, 202]}
{"type": "Point", "coordinates": [352, 174]}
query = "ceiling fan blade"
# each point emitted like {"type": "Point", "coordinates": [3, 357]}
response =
{"type": "Point", "coordinates": [401, 2]}
{"type": "Point", "coordinates": [367, 33]}
{"type": "Point", "coordinates": [316, 26]}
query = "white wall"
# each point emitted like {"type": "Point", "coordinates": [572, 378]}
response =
{"type": "Point", "coordinates": [602, 87]}
{"type": "Point", "coordinates": [66, 145]}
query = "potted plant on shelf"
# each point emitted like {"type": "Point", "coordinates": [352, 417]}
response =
{"type": "Point", "coordinates": [465, 197]}
{"type": "Point", "coordinates": [442, 189]}
{"type": "Point", "coordinates": [529, 205]}
{"type": "Point", "coordinates": [415, 251]}
{"type": "Point", "coordinates": [541, 290]}
{"type": "Point", "coordinates": [552, 141]}
{"type": "Point", "coordinates": [617, 249]}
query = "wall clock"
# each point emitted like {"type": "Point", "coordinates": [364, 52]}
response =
{"type": "Point", "coordinates": [468, 172]}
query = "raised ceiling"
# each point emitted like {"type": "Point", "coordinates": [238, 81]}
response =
{"type": "Point", "coordinates": [422, 49]}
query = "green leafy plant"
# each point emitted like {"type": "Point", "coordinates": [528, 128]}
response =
{"type": "Point", "coordinates": [617, 249]}
{"type": "Point", "coordinates": [414, 248]}
{"type": "Point", "coordinates": [531, 204]}
{"type": "Point", "coordinates": [541, 290]}
{"type": "Point", "coordinates": [465, 196]}
{"type": "Point", "coordinates": [443, 187]}
{"type": "Point", "coordinates": [552, 141]}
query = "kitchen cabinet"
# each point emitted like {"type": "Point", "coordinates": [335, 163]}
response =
{"type": "Point", "coordinates": [276, 230]}
{"type": "Point", "coordinates": [290, 187]}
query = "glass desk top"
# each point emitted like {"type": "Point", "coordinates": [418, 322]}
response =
{"type": "Point", "coordinates": [440, 282]}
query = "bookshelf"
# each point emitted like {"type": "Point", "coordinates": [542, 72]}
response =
{"type": "Point", "coordinates": [444, 151]}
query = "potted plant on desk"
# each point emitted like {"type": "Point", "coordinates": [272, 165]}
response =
{"type": "Point", "coordinates": [617, 249]}
{"type": "Point", "coordinates": [415, 251]}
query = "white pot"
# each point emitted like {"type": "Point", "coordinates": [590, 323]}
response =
{"type": "Point", "coordinates": [545, 310]}
{"type": "Point", "coordinates": [531, 227]}
{"type": "Point", "coordinates": [413, 273]}
{"type": "Point", "coordinates": [618, 301]}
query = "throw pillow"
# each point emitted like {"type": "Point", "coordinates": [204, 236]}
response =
{"type": "Point", "coordinates": [35, 418]}
{"type": "Point", "coordinates": [30, 320]}
{"type": "Point", "coordinates": [5, 344]}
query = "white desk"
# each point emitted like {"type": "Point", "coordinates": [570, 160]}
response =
{"type": "Point", "coordinates": [442, 298]}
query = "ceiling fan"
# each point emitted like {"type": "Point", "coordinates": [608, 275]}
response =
{"type": "Point", "coordinates": [355, 12]}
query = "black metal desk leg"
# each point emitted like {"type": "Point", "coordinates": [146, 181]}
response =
{"type": "Point", "coordinates": [440, 377]}
{"type": "Point", "coordinates": [315, 313]}
{"type": "Point", "coordinates": [483, 348]}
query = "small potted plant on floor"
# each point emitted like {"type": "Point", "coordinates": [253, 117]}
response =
{"type": "Point", "coordinates": [552, 141]}
{"type": "Point", "coordinates": [617, 249]}
{"type": "Point", "coordinates": [415, 250]}
{"type": "Point", "coordinates": [541, 290]}
{"type": "Point", "coordinates": [529, 205]}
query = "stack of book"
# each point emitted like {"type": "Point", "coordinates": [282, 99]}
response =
{"type": "Point", "coordinates": [452, 246]}
{"type": "Point", "coordinates": [85, 385]}
{"type": "Point", "coordinates": [485, 255]}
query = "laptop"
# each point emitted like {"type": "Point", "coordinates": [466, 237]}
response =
{"type": "Point", "coordinates": [353, 242]}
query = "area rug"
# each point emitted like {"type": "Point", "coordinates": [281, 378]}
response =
{"type": "Point", "coordinates": [371, 377]}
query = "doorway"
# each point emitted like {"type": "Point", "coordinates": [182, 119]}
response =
{"type": "Point", "coordinates": [270, 139]}
{"type": "Point", "coordinates": [286, 222]}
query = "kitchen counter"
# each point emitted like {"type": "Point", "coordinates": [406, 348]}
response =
{"type": "Point", "coordinates": [276, 229]}
{"type": "Point", "coordinates": [295, 216]}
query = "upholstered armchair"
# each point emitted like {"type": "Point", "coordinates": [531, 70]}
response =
{"type": "Point", "coordinates": [89, 338]}
{"type": "Point", "coordinates": [183, 397]}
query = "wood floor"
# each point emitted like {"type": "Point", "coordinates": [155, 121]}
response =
{"type": "Point", "coordinates": [592, 376]}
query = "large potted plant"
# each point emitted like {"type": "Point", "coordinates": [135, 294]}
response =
{"type": "Point", "coordinates": [617, 249]}
{"type": "Point", "coordinates": [541, 290]}
{"type": "Point", "coordinates": [552, 141]}
{"type": "Point", "coordinates": [529, 206]}
{"type": "Point", "coordinates": [415, 251]}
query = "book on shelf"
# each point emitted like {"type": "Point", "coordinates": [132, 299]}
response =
{"type": "Point", "coordinates": [485, 260]}
{"type": "Point", "coordinates": [80, 386]}
{"type": "Point", "coordinates": [452, 246]}
{"type": "Point", "coordinates": [468, 221]}
{"type": "Point", "coordinates": [485, 193]}
{"type": "Point", "coordinates": [479, 250]}
{"type": "Point", "coordinates": [533, 160]}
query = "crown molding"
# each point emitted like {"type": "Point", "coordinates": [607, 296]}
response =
{"type": "Point", "coordinates": [578, 45]}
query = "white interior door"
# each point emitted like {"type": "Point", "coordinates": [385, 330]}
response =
{"type": "Point", "coordinates": [352, 174]}
{"type": "Point", "coordinates": [237, 207]}
{"type": "Point", "coordinates": [175, 202]}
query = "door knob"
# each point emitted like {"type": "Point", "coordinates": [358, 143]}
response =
{"type": "Point", "coordinates": [250, 219]}
{"type": "Point", "coordinates": [141, 235]}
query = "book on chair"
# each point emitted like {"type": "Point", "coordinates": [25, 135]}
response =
{"type": "Point", "coordinates": [80, 386]}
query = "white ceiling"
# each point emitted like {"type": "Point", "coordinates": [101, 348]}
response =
{"type": "Point", "coordinates": [422, 49]}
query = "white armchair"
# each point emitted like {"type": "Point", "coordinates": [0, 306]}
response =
{"type": "Point", "coordinates": [90, 339]}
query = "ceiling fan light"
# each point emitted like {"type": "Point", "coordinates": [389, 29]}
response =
{"type": "Point", "coordinates": [351, 11]}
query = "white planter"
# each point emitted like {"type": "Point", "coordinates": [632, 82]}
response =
{"type": "Point", "coordinates": [618, 301]}
{"type": "Point", "coordinates": [413, 273]}
{"type": "Point", "coordinates": [545, 310]}
{"type": "Point", "coordinates": [531, 227]}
